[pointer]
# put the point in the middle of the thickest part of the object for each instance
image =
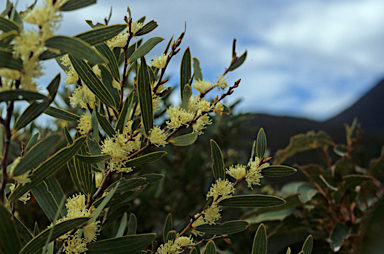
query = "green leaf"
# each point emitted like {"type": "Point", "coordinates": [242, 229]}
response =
{"type": "Point", "coordinates": [168, 225]}
{"type": "Point", "coordinates": [112, 62]}
{"type": "Point", "coordinates": [237, 61]}
{"type": "Point", "coordinates": [94, 148]}
{"type": "Point", "coordinates": [252, 200]}
{"type": "Point", "coordinates": [124, 114]}
{"type": "Point", "coordinates": [123, 245]}
{"type": "Point", "coordinates": [22, 230]}
{"type": "Point", "coordinates": [7, 25]}
{"type": "Point", "coordinates": [260, 241]}
{"type": "Point", "coordinates": [261, 143]}
{"type": "Point", "coordinates": [101, 34]}
{"type": "Point", "coordinates": [308, 245]}
{"type": "Point", "coordinates": [278, 170]}
{"type": "Point", "coordinates": [307, 192]}
{"type": "Point", "coordinates": [288, 251]}
{"type": "Point", "coordinates": [107, 80]}
{"type": "Point", "coordinates": [144, 91]}
{"type": "Point", "coordinates": [128, 184]}
{"type": "Point", "coordinates": [123, 225]}
{"type": "Point", "coordinates": [147, 28]}
{"type": "Point", "coordinates": [76, 4]}
{"type": "Point", "coordinates": [303, 142]}
{"type": "Point", "coordinates": [49, 167]}
{"type": "Point", "coordinates": [197, 70]}
{"type": "Point", "coordinates": [75, 47]}
{"type": "Point", "coordinates": [92, 81]}
{"type": "Point", "coordinates": [36, 109]}
{"type": "Point", "coordinates": [185, 71]}
{"type": "Point", "coordinates": [184, 140]}
{"type": "Point", "coordinates": [229, 227]}
{"type": "Point", "coordinates": [132, 225]}
{"type": "Point", "coordinates": [9, 240]}
{"type": "Point", "coordinates": [351, 181]}
{"type": "Point", "coordinates": [84, 173]}
{"type": "Point", "coordinates": [49, 195]}
{"type": "Point", "coordinates": [194, 251]}
{"type": "Point", "coordinates": [8, 61]}
{"type": "Point", "coordinates": [61, 228]}
{"type": "Point", "coordinates": [144, 49]}
{"type": "Point", "coordinates": [105, 125]}
{"type": "Point", "coordinates": [36, 155]}
{"type": "Point", "coordinates": [210, 248]}
{"type": "Point", "coordinates": [217, 161]}
{"type": "Point", "coordinates": [100, 207]}
{"type": "Point", "coordinates": [114, 215]}
{"type": "Point", "coordinates": [18, 95]}
{"type": "Point", "coordinates": [338, 234]}
{"type": "Point", "coordinates": [147, 158]}
{"type": "Point", "coordinates": [185, 98]}
{"type": "Point", "coordinates": [152, 178]}
{"type": "Point", "coordinates": [92, 159]}
{"type": "Point", "coordinates": [62, 114]}
{"type": "Point", "coordinates": [171, 236]}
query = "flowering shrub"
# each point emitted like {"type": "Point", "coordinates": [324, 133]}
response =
{"type": "Point", "coordinates": [114, 110]}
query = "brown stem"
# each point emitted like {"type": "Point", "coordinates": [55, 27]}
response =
{"type": "Point", "coordinates": [8, 135]}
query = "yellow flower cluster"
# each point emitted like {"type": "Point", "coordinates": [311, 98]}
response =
{"type": "Point", "coordinates": [81, 96]}
{"type": "Point", "coordinates": [254, 173]}
{"type": "Point", "coordinates": [178, 117]}
{"type": "Point", "coordinates": [222, 189]}
{"type": "Point", "coordinates": [120, 40]}
{"type": "Point", "coordinates": [201, 123]}
{"type": "Point", "coordinates": [75, 245]}
{"type": "Point", "coordinates": [221, 83]}
{"type": "Point", "coordinates": [197, 104]}
{"type": "Point", "coordinates": [158, 136]}
{"type": "Point", "coordinates": [85, 123]}
{"type": "Point", "coordinates": [160, 61]}
{"type": "Point", "coordinates": [176, 246]}
{"type": "Point", "coordinates": [201, 85]}
{"type": "Point", "coordinates": [238, 171]}
{"type": "Point", "coordinates": [119, 147]}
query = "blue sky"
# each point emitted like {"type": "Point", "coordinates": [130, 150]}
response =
{"type": "Point", "coordinates": [305, 58]}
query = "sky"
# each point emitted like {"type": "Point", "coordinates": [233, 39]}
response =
{"type": "Point", "coordinates": [308, 59]}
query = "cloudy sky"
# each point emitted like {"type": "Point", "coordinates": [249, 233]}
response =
{"type": "Point", "coordinates": [305, 58]}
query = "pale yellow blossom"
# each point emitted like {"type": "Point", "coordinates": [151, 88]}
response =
{"type": "Point", "coordinates": [85, 123]}
{"type": "Point", "coordinates": [222, 188]}
{"type": "Point", "coordinates": [9, 73]}
{"type": "Point", "coordinates": [201, 85]}
{"type": "Point", "coordinates": [201, 123]}
{"type": "Point", "coordinates": [238, 171]}
{"type": "Point", "coordinates": [135, 27]}
{"type": "Point", "coordinates": [178, 117]}
{"type": "Point", "coordinates": [221, 83]}
{"type": "Point", "coordinates": [91, 231]}
{"type": "Point", "coordinates": [219, 108]}
{"type": "Point", "coordinates": [98, 178]}
{"type": "Point", "coordinates": [160, 61]}
{"type": "Point", "coordinates": [176, 246]}
{"type": "Point", "coordinates": [74, 245]}
{"type": "Point", "coordinates": [158, 136]}
{"type": "Point", "coordinates": [254, 173]}
{"type": "Point", "coordinates": [83, 95]}
{"type": "Point", "coordinates": [212, 214]}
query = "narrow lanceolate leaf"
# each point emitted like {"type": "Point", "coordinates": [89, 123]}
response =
{"type": "Point", "coordinates": [184, 140]}
{"type": "Point", "coordinates": [105, 125]}
{"type": "Point", "coordinates": [130, 244]}
{"type": "Point", "coordinates": [122, 227]}
{"type": "Point", "coordinates": [261, 143]}
{"type": "Point", "coordinates": [23, 232]}
{"type": "Point", "coordinates": [94, 148]}
{"type": "Point", "coordinates": [94, 84]}
{"type": "Point", "coordinates": [7, 25]}
{"type": "Point", "coordinates": [101, 34]}
{"type": "Point", "coordinates": [147, 28]}
{"type": "Point", "coordinates": [144, 49]}
{"type": "Point", "coordinates": [107, 79]}
{"type": "Point", "coordinates": [186, 95]}
{"type": "Point", "coordinates": [61, 114]}
{"type": "Point", "coordinates": [229, 227]}
{"type": "Point", "coordinates": [124, 114]}
{"type": "Point", "coordinates": [210, 248]}
{"type": "Point", "coordinates": [152, 178]}
{"type": "Point", "coordinates": [49, 194]}
{"type": "Point", "coordinates": [9, 240]}
{"type": "Point", "coordinates": [278, 170]}
{"type": "Point", "coordinates": [76, 4]}
{"type": "Point", "coordinates": [237, 61]}
{"type": "Point", "coordinates": [7, 61]}
{"type": "Point", "coordinates": [197, 70]}
{"type": "Point", "coordinates": [61, 228]}
{"type": "Point", "coordinates": [252, 201]}
{"type": "Point", "coordinates": [217, 161]}
{"type": "Point", "coordinates": [114, 215]}
{"type": "Point", "coordinates": [84, 173]}
{"type": "Point", "coordinates": [112, 62]}
{"type": "Point", "coordinates": [37, 108]}
{"type": "Point", "coordinates": [93, 158]}
{"type": "Point", "coordinates": [308, 245]}
{"type": "Point", "coordinates": [147, 158]}
{"type": "Point", "coordinates": [100, 207]}
{"type": "Point", "coordinates": [128, 184]}
{"type": "Point", "coordinates": [32, 141]}
{"type": "Point", "coordinates": [46, 169]}
{"type": "Point", "coordinates": [144, 91]}
{"type": "Point", "coordinates": [168, 225]}
{"type": "Point", "coordinates": [36, 155]}
{"type": "Point", "coordinates": [18, 95]}
{"type": "Point", "coordinates": [260, 241]}
{"type": "Point", "coordinates": [76, 47]}
{"type": "Point", "coordinates": [132, 224]}
{"type": "Point", "coordinates": [185, 71]}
